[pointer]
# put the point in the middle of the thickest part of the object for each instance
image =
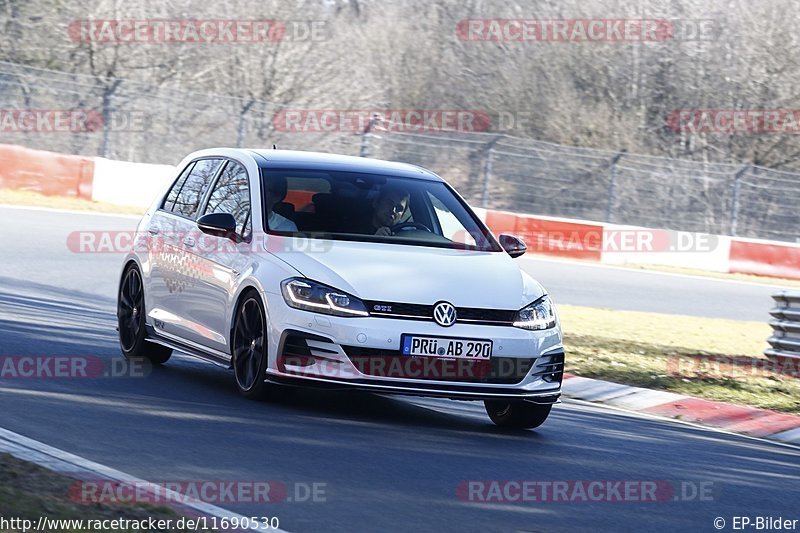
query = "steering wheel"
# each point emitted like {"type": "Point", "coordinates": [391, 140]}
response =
{"type": "Point", "coordinates": [403, 226]}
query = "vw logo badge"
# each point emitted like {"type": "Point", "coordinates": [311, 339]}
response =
{"type": "Point", "coordinates": [444, 314]}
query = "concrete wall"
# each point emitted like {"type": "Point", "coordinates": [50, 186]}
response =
{"type": "Point", "coordinates": [124, 183]}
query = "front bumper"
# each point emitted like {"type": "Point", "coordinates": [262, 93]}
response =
{"type": "Point", "coordinates": [451, 391]}
{"type": "Point", "coordinates": [364, 353]}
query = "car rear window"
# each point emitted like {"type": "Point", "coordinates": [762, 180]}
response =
{"type": "Point", "coordinates": [194, 187]}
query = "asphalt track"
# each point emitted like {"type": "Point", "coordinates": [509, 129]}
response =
{"type": "Point", "coordinates": [388, 464]}
{"type": "Point", "coordinates": [621, 288]}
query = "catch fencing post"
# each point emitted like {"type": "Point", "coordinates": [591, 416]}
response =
{"type": "Point", "coordinates": [737, 187]}
{"type": "Point", "coordinates": [366, 136]}
{"type": "Point", "coordinates": [612, 186]}
{"type": "Point", "coordinates": [242, 128]}
{"type": "Point", "coordinates": [487, 170]}
{"type": "Point", "coordinates": [108, 107]}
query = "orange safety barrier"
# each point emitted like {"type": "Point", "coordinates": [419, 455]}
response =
{"type": "Point", "coordinates": [550, 237]}
{"type": "Point", "coordinates": [56, 174]}
{"type": "Point", "coordinates": [765, 259]}
{"type": "Point", "coordinates": [46, 172]}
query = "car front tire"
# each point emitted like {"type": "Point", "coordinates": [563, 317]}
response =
{"type": "Point", "coordinates": [517, 414]}
{"type": "Point", "coordinates": [249, 352]}
{"type": "Point", "coordinates": [131, 323]}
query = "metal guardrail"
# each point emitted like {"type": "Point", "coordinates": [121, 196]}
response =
{"type": "Point", "coordinates": [785, 340]}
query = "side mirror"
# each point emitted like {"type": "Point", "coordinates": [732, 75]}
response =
{"type": "Point", "coordinates": [514, 246]}
{"type": "Point", "coordinates": [218, 224]}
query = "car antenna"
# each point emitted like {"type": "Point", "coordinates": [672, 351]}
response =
{"type": "Point", "coordinates": [274, 146]}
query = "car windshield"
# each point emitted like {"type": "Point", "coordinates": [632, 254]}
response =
{"type": "Point", "coordinates": [370, 208]}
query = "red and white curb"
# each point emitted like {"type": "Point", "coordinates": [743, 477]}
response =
{"type": "Point", "coordinates": [77, 467]}
{"type": "Point", "coordinates": [745, 420]}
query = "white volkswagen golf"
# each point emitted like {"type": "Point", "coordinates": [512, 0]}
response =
{"type": "Point", "coordinates": [301, 268]}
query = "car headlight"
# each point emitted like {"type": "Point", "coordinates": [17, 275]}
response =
{"type": "Point", "coordinates": [312, 296]}
{"type": "Point", "coordinates": [538, 315]}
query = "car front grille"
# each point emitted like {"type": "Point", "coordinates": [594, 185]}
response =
{"type": "Point", "coordinates": [299, 350]}
{"type": "Point", "coordinates": [468, 315]}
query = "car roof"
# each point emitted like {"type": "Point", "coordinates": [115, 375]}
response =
{"type": "Point", "coordinates": [323, 161]}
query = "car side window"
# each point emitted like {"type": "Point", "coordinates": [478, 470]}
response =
{"type": "Point", "coordinates": [188, 201]}
{"type": "Point", "coordinates": [169, 201]}
{"type": "Point", "coordinates": [231, 194]}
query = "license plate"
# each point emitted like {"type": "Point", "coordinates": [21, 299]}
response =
{"type": "Point", "coordinates": [415, 345]}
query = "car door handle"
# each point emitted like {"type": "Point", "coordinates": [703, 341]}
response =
{"type": "Point", "coordinates": [152, 231]}
{"type": "Point", "coordinates": [189, 241]}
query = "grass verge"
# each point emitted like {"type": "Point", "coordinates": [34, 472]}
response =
{"type": "Point", "coordinates": [709, 358]}
{"type": "Point", "coordinates": [34, 199]}
{"type": "Point", "coordinates": [28, 491]}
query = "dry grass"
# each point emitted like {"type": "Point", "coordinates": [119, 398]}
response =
{"type": "Point", "coordinates": [34, 199]}
{"type": "Point", "coordinates": [710, 358]}
{"type": "Point", "coordinates": [28, 491]}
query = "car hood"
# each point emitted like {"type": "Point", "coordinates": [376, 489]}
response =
{"type": "Point", "coordinates": [416, 274]}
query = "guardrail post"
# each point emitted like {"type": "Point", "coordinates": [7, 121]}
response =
{"type": "Point", "coordinates": [785, 340]}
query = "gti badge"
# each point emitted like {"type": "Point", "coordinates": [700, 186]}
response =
{"type": "Point", "coordinates": [444, 314]}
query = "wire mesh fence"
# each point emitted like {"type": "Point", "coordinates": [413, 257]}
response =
{"type": "Point", "coordinates": [128, 120]}
{"type": "Point", "coordinates": [529, 176]}
{"type": "Point", "coordinates": [133, 121]}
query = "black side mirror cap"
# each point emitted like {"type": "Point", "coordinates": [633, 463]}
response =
{"type": "Point", "coordinates": [218, 224]}
{"type": "Point", "coordinates": [513, 245]}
